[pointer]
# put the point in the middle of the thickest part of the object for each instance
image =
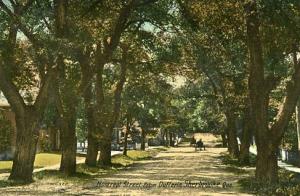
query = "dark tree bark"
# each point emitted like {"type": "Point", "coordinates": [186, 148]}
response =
{"type": "Point", "coordinates": [66, 96]}
{"type": "Point", "coordinates": [86, 88]}
{"type": "Point", "coordinates": [66, 104]}
{"type": "Point", "coordinates": [93, 144]}
{"type": "Point", "coordinates": [27, 137]}
{"type": "Point", "coordinates": [105, 151]}
{"type": "Point", "coordinates": [103, 56]}
{"type": "Point", "coordinates": [143, 137]}
{"type": "Point", "coordinates": [297, 109]}
{"type": "Point", "coordinates": [53, 138]}
{"type": "Point", "coordinates": [224, 139]}
{"type": "Point", "coordinates": [167, 138]}
{"type": "Point", "coordinates": [171, 139]}
{"type": "Point", "coordinates": [68, 138]}
{"type": "Point", "coordinates": [105, 143]}
{"type": "Point", "coordinates": [267, 138]}
{"type": "Point", "coordinates": [127, 131]}
{"type": "Point", "coordinates": [298, 123]}
{"type": "Point", "coordinates": [233, 147]}
{"type": "Point", "coordinates": [60, 13]}
{"type": "Point", "coordinates": [244, 157]}
{"type": "Point", "coordinates": [26, 116]}
{"type": "Point", "coordinates": [163, 142]}
{"type": "Point", "coordinates": [92, 149]}
{"type": "Point", "coordinates": [125, 143]}
{"type": "Point", "coordinates": [266, 164]}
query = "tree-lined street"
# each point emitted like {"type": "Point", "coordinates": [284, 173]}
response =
{"type": "Point", "coordinates": [175, 165]}
{"type": "Point", "coordinates": [121, 75]}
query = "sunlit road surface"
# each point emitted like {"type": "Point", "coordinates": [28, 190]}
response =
{"type": "Point", "coordinates": [177, 171]}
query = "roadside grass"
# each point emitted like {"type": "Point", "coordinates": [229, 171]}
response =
{"type": "Point", "coordinates": [10, 183]}
{"type": "Point", "coordinates": [86, 174]}
{"type": "Point", "coordinates": [236, 170]}
{"type": "Point", "coordinates": [41, 160]}
{"type": "Point", "coordinates": [47, 159]}
{"type": "Point", "coordinates": [5, 166]}
{"type": "Point", "coordinates": [132, 156]}
{"type": "Point", "coordinates": [233, 165]}
{"type": "Point", "coordinates": [289, 184]}
{"type": "Point", "coordinates": [228, 160]}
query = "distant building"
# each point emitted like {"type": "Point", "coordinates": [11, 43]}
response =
{"type": "Point", "coordinates": [9, 115]}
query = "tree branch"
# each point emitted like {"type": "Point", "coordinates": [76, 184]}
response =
{"type": "Point", "coordinates": [112, 42]}
{"type": "Point", "coordinates": [43, 95]}
{"type": "Point", "coordinates": [287, 108]}
{"type": "Point", "coordinates": [119, 88]}
{"type": "Point", "coordinates": [24, 8]}
{"type": "Point", "coordinates": [32, 37]}
{"type": "Point", "coordinates": [144, 3]}
{"type": "Point", "coordinates": [11, 92]}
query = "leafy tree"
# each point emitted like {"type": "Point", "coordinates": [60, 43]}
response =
{"type": "Point", "coordinates": [27, 113]}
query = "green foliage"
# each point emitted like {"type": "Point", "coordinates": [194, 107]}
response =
{"type": "Point", "coordinates": [290, 139]}
{"type": "Point", "coordinates": [5, 133]}
{"type": "Point", "coordinates": [288, 185]}
{"type": "Point", "coordinates": [132, 156]}
{"type": "Point", "coordinates": [81, 123]}
{"type": "Point", "coordinates": [45, 144]}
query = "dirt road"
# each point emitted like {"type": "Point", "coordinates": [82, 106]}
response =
{"type": "Point", "coordinates": [177, 171]}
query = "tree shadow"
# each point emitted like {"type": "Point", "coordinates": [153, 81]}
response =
{"type": "Point", "coordinates": [12, 183]}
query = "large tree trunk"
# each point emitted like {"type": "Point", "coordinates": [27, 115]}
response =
{"type": "Point", "coordinates": [171, 139]}
{"type": "Point", "coordinates": [163, 141]}
{"type": "Point", "coordinates": [105, 149]}
{"type": "Point", "coordinates": [92, 150]}
{"type": "Point", "coordinates": [27, 137]}
{"type": "Point", "coordinates": [53, 138]}
{"type": "Point", "coordinates": [233, 147]}
{"type": "Point", "coordinates": [26, 134]}
{"type": "Point", "coordinates": [66, 96]}
{"type": "Point", "coordinates": [143, 137]}
{"type": "Point", "coordinates": [298, 123]}
{"type": "Point", "coordinates": [126, 137]}
{"type": "Point", "coordinates": [27, 117]}
{"type": "Point", "coordinates": [66, 104]}
{"type": "Point", "coordinates": [68, 136]}
{"type": "Point", "coordinates": [86, 87]}
{"type": "Point", "coordinates": [267, 139]}
{"type": "Point", "coordinates": [167, 138]}
{"type": "Point", "coordinates": [224, 140]}
{"type": "Point", "coordinates": [244, 157]}
{"type": "Point", "coordinates": [105, 144]}
{"type": "Point", "coordinates": [125, 143]}
{"type": "Point", "coordinates": [266, 164]}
